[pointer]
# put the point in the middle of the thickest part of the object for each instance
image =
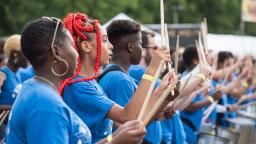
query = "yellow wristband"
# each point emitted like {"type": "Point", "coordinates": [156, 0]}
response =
{"type": "Point", "coordinates": [202, 76]}
{"type": "Point", "coordinates": [210, 99]}
{"type": "Point", "coordinates": [148, 77]}
{"type": "Point", "coordinates": [244, 84]}
{"type": "Point", "coordinates": [109, 138]}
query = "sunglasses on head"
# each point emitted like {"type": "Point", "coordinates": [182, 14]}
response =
{"type": "Point", "coordinates": [56, 28]}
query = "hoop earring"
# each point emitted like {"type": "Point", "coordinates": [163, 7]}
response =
{"type": "Point", "coordinates": [66, 71]}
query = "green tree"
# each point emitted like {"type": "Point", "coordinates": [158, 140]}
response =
{"type": "Point", "coordinates": [223, 15]}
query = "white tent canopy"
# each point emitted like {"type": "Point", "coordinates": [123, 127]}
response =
{"type": "Point", "coordinates": [238, 45]}
{"type": "Point", "coordinates": [122, 16]}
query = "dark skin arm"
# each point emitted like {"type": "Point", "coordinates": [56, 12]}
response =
{"type": "Point", "coordinates": [165, 111]}
{"type": "Point", "coordinates": [132, 109]}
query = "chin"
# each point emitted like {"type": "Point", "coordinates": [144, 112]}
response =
{"type": "Point", "coordinates": [105, 63]}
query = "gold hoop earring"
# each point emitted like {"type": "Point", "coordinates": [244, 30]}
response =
{"type": "Point", "coordinates": [60, 60]}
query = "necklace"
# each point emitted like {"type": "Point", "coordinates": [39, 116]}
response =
{"type": "Point", "coordinates": [47, 81]}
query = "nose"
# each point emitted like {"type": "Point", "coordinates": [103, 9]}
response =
{"type": "Point", "coordinates": [110, 52]}
{"type": "Point", "coordinates": [110, 46]}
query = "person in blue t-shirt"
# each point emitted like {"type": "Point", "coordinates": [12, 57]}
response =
{"type": "Point", "coordinates": [154, 130]}
{"type": "Point", "coordinates": [227, 80]}
{"type": "Point", "coordinates": [213, 116]}
{"type": "Point", "coordinates": [10, 83]}
{"type": "Point", "coordinates": [127, 52]}
{"type": "Point", "coordinates": [81, 92]}
{"type": "Point", "coordinates": [26, 73]}
{"type": "Point", "coordinates": [192, 115]}
{"type": "Point", "coordinates": [39, 114]}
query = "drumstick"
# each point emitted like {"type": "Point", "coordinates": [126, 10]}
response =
{"type": "Point", "coordinates": [182, 88]}
{"type": "Point", "coordinates": [205, 35]}
{"type": "Point", "coordinates": [201, 48]}
{"type": "Point", "coordinates": [167, 43]}
{"type": "Point", "coordinates": [199, 54]}
{"type": "Point", "coordinates": [162, 98]}
{"type": "Point", "coordinates": [177, 54]}
{"type": "Point", "coordinates": [162, 22]}
{"type": "Point", "coordinates": [209, 111]}
{"type": "Point", "coordinates": [168, 47]}
{"type": "Point", "coordinates": [146, 101]}
{"type": "Point", "coordinates": [4, 117]}
{"type": "Point", "coordinates": [2, 114]}
{"type": "Point", "coordinates": [147, 98]}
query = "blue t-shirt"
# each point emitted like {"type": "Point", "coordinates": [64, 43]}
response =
{"type": "Point", "coordinates": [136, 71]}
{"type": "Point", "coordinates": [40, 116]}
{"type": "Point", "coordinates": [173, 130]}
{"type": "Point", "coordinates": [154, 130]}
{"type": "Point", "coordinates": [213, 116]}
{"type": "Point", "coordinates": [222, 117]}
{"type": "Point", "coordinates": [225, 101]}
{"type": "Point", "coordinates": [167, 130]}
{"type": "Point", "coordinates": [195, 118]}
{"type": "Point", "coordinates": [231, 101]}
{"type": "Point", "coordinates": [91, 104]}
{"type": "Point", "coordinates": [10, 88]}
{"type": "Point", "coordinates": [26, 73]}
{"type": "Point", "coordinates": [118, 86]}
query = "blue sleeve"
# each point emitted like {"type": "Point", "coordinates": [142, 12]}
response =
{"type": "Point", "coordinates": [92, 100]}
{"type": "Point", "coordinates": [47, 127]}
{"type": "Point", "coordinates": [197, 98]}
{"type": "Point", "coordinates": [121, 92]}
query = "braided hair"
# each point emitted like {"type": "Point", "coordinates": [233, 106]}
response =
{"type": "Point", "coordinates": [79, 26]}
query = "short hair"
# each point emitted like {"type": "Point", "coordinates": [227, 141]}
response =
{"type": "Point", "coordinates": [222, 56]}
{"type": "Point", "coordinates": [36, 39]}
{"type": "Point", "coordinates": [121, 28]}
{"type": "Point", "coordinates": [189, 55]}
{"type": "Point", "coordinates": [230, 54]}
{"type": "Point", "coordinates": [144, 37]}
{"type": "Point", "coordinates": [12, 43]}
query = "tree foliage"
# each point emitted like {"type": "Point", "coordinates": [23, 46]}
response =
{"type": "Point", "coordinates": [223, 15]}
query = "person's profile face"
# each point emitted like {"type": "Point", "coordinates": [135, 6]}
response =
{"type": "Point", "coordinates": [69, 53]}
{"type": "Point", "coordinates": [150, 48]}
{"type": "Point", "coordinates": [106, 47]}
{"type": "Point", "coordinates": [137, 53]}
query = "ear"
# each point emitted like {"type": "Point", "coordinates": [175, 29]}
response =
{"type": "Point", "coordinates": [56, 52]}
{"type": "Point", "coordinates": [85, 46]}
{"type": "Point", "coordinates": [130, 47]}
